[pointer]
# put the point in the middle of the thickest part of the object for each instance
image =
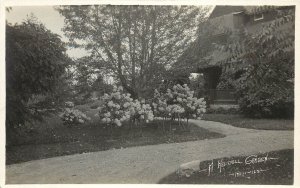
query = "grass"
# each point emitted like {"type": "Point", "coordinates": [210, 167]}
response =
{"type": "Point", "coordinates": [51, 138]}
{"type": "Point", "coordinates": [269, 172]}
{"type": "Point", "coordinates": [251, 123]}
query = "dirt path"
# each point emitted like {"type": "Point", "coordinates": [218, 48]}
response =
{"type": "Point", "coordinates": [147, 164]}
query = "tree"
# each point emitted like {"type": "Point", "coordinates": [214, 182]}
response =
{"type": "Point", "coordinates": [87, 78]}
{"type": "Point", "coordinates": [35, 61]}
{"type": "Point", "coordinates": [84, 78]}
{"type": "Point", "coordinates": [261, 68]}
{"type": "Point", "coordinates": [136, 44]}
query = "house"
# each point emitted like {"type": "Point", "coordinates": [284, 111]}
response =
{"type": "Point", "coordinates": [221, 20]}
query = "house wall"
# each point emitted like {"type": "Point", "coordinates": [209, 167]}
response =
{"type": "Point", "coordinates": [239, 20]}
{"type": "Point", "coordinates": [222, 22]}
{"type": "Point", "coordinates": [253, 26]}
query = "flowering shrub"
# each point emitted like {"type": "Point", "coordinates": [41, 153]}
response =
{"type": "Point", "coordinates": [184, 97]}
{"type": "Point", "coordinates": [160, 105]}
{"type": "Point", "coordinates": [118, 107]}
{"type": "Point", "coordinates": [175, 110]}
{"type": "Point", "coordinates": [178, 102]}
{"type": "Point", "coordinates": [72, 116]}
{"type": "Point", "coordinates": [115, 108]}
{"type": "Point", "coordinates": [141, 111]}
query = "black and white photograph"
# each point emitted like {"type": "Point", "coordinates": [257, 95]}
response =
{"type": "Point", "coordinates": [149, 93]}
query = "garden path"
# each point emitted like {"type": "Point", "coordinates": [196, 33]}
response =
{"type": "Point", "coordinates": [147, 164]}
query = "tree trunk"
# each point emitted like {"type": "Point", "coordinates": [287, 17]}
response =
{"type": "Point", "coordinates": [111, 131]}
{"type": "Point", "coordinates": [164, 124]}
{"type": "Point", "coordinates": [187, 124]}
{"type": "Point", "coordinates": [141, 127]}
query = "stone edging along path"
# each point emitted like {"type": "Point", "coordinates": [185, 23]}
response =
{"type": "Point", "coordinates": [147, 164]}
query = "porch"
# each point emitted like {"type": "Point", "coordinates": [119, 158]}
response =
{"type": "Point", "coordinates": [221, 96]}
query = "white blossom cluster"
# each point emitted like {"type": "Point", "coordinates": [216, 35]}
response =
{"type": "Point", "coordinates": [179, 100]}
{"type": "Point", "coordinates": [72, 116]}
{"type": "Point", "coordinates": [141, 110]}
{"type": "Point", "coordinates": [115, 107]}
{"type": "Point", "coordinates": [118, 107]}
{"type": "Point", "coordinates": [175, 109]}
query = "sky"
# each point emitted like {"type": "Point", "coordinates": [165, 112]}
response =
{"type": "Point", "coordinates": [46, 15]}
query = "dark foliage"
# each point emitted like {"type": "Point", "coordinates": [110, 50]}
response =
{"type": "Point", "coordinates": [89, 80]}
{"type": "Point", "coordinates": [35, 62]}
{"type": "Point", "coordinates": [261, 67]}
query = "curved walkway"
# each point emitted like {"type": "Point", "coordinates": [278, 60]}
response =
{"type": "Point", "coordinates": [147, 164]}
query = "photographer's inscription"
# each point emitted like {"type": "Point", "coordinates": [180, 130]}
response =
{"type": "Point", "coordinates": [245, 167]}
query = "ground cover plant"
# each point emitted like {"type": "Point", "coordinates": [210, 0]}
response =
{"type": "Point", "coordinates": [238, 120]}
{"type": "Point", "coordinates": [272, 168]}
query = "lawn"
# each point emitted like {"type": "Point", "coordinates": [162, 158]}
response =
{"type": "Point", "coordinates": [272, 168]}
{"type": "Point", "coordinates": [251, 123]}
{"type": "Point", "coordinates": [51, 138]}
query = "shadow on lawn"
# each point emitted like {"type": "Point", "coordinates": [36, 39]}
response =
{"type": "Point", "coordinates": [49, 140]}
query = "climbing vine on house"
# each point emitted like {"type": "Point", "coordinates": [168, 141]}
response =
{"type": "Point", "coordinates": [261, 68]}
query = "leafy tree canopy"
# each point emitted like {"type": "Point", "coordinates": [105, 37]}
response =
{"type": "Point", "coordinates": [88, 79]}
{"type": "Point", "coordinates": [35, 60]}
{"type": "Point", "coordinates": [134, 43]}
